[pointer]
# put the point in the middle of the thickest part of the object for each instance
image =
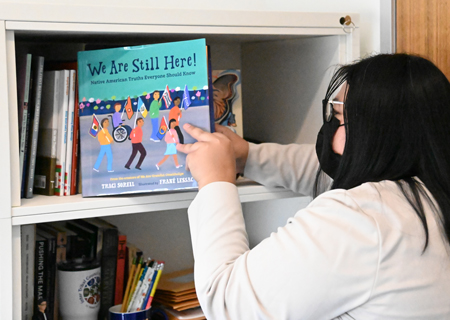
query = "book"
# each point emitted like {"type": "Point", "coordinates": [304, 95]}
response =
{"type": "Point", "coordinates": [120, 269]}
{"type": "Point", "coordinates": [61, 256]}
{"type": "Point", "coordinates": [70, 132]}
{"type": "Point", "coordinates": [37, 68]}
{"type": "Point", "coordinates": [41, 271]}
{"type": "Point", "coordinates": [45, 269]}
{"type": "Point", "coordinates": [27, 243]}
{"type": "Point", "coordinates": [227, 93]}
{"type": "Point", "coordinates": [45, 172]}
{"type": "Point", "coordinates": [23, 76]}
{"type": "Point", "coordinates": [61, 144]}
{"type": "Point", "coordinates": [177, 290]}
{"type": "Point", "coordinates": [74, 244]}
{"type": "Point", "coordinates": [51, 270]}
{"type": "Point", "coordinates": [127, 97]}
{"type": "Point", "coordinates": [171, 314]}
{"type": "Point", "coordinates": [109, 235]}
{"type": "Point", "coordinates": [88, 246]}
{"type": "Point", "coordinates": [76, 145]}
{"type": "Point", "coordinates": [73, 161]}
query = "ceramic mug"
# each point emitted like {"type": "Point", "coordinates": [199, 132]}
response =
{"type": "Point", "coordinates": [115, 314]}
{"type": "Point", "coordinates": [79, 290]}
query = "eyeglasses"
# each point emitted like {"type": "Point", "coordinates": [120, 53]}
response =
{"type": "Point", "coordinates": [328, 109]}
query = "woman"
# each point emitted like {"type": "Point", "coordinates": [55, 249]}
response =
{"type": "Point", "coordinates": [375, 246]}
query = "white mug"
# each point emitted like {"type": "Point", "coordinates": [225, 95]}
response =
{"type": "Point", "coordinates": [79, 290]}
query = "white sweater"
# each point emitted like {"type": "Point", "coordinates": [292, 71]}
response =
{"type": "Point", "coordinates": [351, 253]}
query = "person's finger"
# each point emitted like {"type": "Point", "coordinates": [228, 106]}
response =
{"type": "Point", "coordinates": [224, 130]}
{"type": "Point", "coordinates": [197, 133]}
{"type": "Point", "coordinates": [187, 148]}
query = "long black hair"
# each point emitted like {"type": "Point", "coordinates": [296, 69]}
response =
{"type": "Point", "coordinates": [397, 115]}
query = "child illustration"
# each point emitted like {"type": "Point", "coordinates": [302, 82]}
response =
{"type": "Point", "coordinates": [105, 140]}
{"type": "Point", "coordinates": [136, 142]}
{"type": "Point", "coordinates": [117, 116]}
{"type": "Point", "coordinates": [154, 115]}
{"type": "Point", "coordinates": [175, 113]}
{"type": "Point", "coordinates": [171, 138]}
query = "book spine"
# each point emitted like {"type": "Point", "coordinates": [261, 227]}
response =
{"type": "Point", "coordinates": [120, 269]}
{"type": "Point", "coordinates": [108, 270]}
{"type": "Point", "coordinates": [62, 114]}
{"type": "Point", "coordinates": [41, 270]}
{"type": "Point", "coordinates": [24, 113]}
{"type": "Point", "coordinates": [75, 147]}
{"type": "Point", "coordinates": [26, 158]}
{"type": "Point", "coordinates": [70, 128]}
{"type": "Point", "coordinates": [27, 241]}
{"type": "Point", "coordinates": [37, 85]}
{"type": "Point", "coordinates": [51, 279]}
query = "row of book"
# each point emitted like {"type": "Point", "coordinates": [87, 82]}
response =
{"type": "Point", "coordinates": [43, 246]}
{"type": "Point", "coordinates": [48, 126]}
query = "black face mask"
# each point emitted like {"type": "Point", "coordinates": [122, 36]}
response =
{"type": "Point", "coordinates": [328, 159]}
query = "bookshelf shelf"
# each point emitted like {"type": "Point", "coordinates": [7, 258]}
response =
{"type": "Point", "coordinates": [44, 209]}
{"type": "Point", "coordinates": [268, 47]}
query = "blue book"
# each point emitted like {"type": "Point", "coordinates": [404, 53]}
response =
{"type": "Point", "coordinates": [133, 102]}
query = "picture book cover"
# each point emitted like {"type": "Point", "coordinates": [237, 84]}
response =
{"type": "Point", "coordinates": [133, 102]}
{"type": "Point", "coordinates": [227, 96]}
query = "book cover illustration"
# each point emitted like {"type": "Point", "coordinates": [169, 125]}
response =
{"type": "Point", "coordinates": [133, 102]}
{"type": "Point", "coordinates": [227, 93]}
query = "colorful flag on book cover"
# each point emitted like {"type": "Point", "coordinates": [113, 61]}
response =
{"type": "Point", "coordinates": [162, 128]}
{"type": "Point", "coordinates": [186, 99]}
{"type": "Point", "coordinates": [142, 109]}
{"type": "Point", "coordinates": [166, 97]}
{"type": "Point", "coordinates": [94, 127]}
{"type": "Point", "coordinates": [129, 108]}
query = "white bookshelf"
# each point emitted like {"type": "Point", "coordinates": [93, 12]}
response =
{"type": "Point", "coordinates": [286, 60]}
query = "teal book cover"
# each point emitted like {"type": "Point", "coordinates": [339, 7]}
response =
{"type": "Point", "coordinates": [133, 102]}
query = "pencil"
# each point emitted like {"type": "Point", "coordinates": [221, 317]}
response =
{"type": "Point", "coordinates": [135, 297]}
{"type": "Point", "coordinates": [134, 283]}
{"type": "Point", "coordinates": [129, 281]}
{"type": "Point", "coordinates": [155, 284]}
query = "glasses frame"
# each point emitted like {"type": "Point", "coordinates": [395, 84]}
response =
{"type": "Point", "coordinates": [328, 109]}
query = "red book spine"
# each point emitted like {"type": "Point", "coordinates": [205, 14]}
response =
{"type": "Point", "coordinates": [75, 150]}
{"type": "Point", "coordinates": [120, 269]}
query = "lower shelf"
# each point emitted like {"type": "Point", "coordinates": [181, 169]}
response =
{"type": "Point", "coordinates": [44, 209]}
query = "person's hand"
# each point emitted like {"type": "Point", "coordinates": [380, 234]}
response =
{"type": "Point", "coordinates": [240, 147]}
{"type": "Point", "coordinates": [211, 158]}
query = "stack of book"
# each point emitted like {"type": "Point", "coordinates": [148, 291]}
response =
{"type": "Point", "coordinates": [176, 294]}
{"type": "Point", "coordinates": [48, 126]}
{"type": "Point", "coordinates": [46, 245]}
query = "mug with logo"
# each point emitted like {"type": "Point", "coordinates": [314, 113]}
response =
{"type": "Point", "coordinates": [79, 290]}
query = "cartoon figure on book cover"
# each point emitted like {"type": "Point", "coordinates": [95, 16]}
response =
{"type": "Point", "coordinates": [175, 114]}
{"type": "Point", "coordinates": [171, 138]}
{"type": "Point", "coordinates": [105, 140]}
{"type": "Point", "coordinates": [136, 142]}
{"type": "Point", "coordinates": [120, 131]}
{"type": "Point", "coordinates": [40, 312]}
{"type": "Point", "coordinates": [154, 115]}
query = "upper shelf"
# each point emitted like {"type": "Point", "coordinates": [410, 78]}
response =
{"type": "Point", "coordinates": [43, 208]}
{"type": "Point", "coordinates": [147, 14]}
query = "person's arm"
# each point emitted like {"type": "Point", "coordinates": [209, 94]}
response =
{"type": "Point", "coordinates": [290, 166]}
{"type": "Point", "coordinates": [323, 263]}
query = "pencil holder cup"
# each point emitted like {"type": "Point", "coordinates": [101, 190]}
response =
{"type": "Point", "coordinates": [79, 290]}
{"type": "Point", "coordinates": [115, 314]}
